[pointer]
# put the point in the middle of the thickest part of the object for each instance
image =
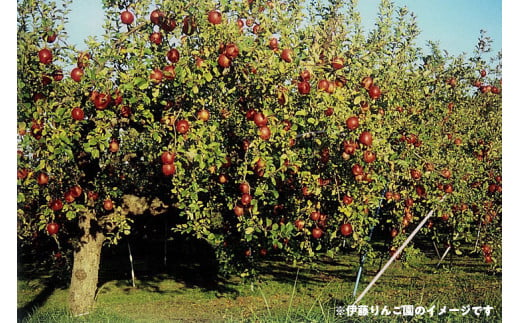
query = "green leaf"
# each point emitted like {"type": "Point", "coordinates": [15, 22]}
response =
{"type": "Point", "coordinates": [141, 83]}
{"type": "Point", "coordinates": [208, 76]}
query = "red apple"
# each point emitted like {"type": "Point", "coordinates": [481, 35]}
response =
{"type": "Point", "coordinates": [331, 87]}
{"type": "Point", "coordinates": [57, 75]}
{"type": "Point", "coordinates": [76, 74]}
{"type": "Point", "coordinates": [365, 138]}
{"type": "Point", "coordinates": [45, 56]}
{"type": "Point", "coordinates": [92, 195]}
{"type": "Point", "coordinates": [76, 191]}
{"type": "Point", "coordinates": [232, 51]}
{"type": "Point", "coordinates": [46, 80]}
{"type": "Point", "coordinates": [264, 132]}
{"type": "Point", "coordinates": [415, 174]}
{"type": "Point", "coordinates": [347, 199]}
{"type": "Point", "coordinates": [257, 29]}
{"type": "Point", "coordinates": [113, 146]}
{"type": "Point", "coordinates": [51, 37]}
{"type": "Point", "coordinates": [108, 205]}
{"type": "Point", "coordinates": [127, 17]}
{"type": "Point", "coordinates": [317, 233]}
{"type": "Point", "coordinates": [167, 157]}
{"type": "Point", "coordinates": [304, 87]}
{"type": "Point", "coordinates": [214, 17]}
{"type": "Point", "coordinates": [83, 59]}
{"type": "Point", "coordinates": [246, 199]}
{"type": "Point", "coordinates": [173, 55]}
{"type": "Point", "coordinates": [367, 82]}
{"type": "Point", "coordinates": [349, 147]}
{"type": "Point", "coordinates": [156, 76]}
{"type": "Point", "coordinates": [329, 111]}
{"type": "Point", "coordinates": [369, 156]}
{"type": "Point", "coordinates": [68, 197]}
{"type": "Point", "coordinates": [156, 38]}
{"type": "Point", "coordinates": [77, 114]}
{"type": "Point", "coordinates": [286, 55]}
{"type": "Point", "coordinates": [448, 188]}
{"type": "Point", "coordinates": [452, 82]}
{"type": "Point", "coordinates": [102, 100]}
{"type": "Point", "coordinates": [260, 119]}
{"type": "Point", "coordinates": [346, 229]}
{"type": "Point", "coordinates": [244, 188]}
{"type": "Point", "coordinates": [156, 17]}
{"type": "Point", "coordinates": [56, 205]}
{"type": "Point", "coordinates": [42, 178]}
{"type": "Point", "coordinates": [420, 190]}
{"type": "Point", "coordinates": [338, 63]}
{"type": "Point", "coordinates": [273, 43]}
{"type": "Point", "coordinates": [315, 215]}
{"type": "Point", "coordinates": [168, 25]}
{"type": "Point", "coordinates": [446, 173]}
{"type": "Point", "coordinates": [182, 126]}
{"type": "Point", "coordinates": [224, 61]}
{"type": "Point", "coordinates": [352, 123]}
{"type": "Point", "coordinates": [299, 224]}
{"type": "Point", "coordinates": [52, 228]}
{"type": "Point", "coordinates": [238, 210]}
{"type": "Point", "coordinates": [203, 115]}
{"type": "Point", "coordinates": [189, 25]}
{"type": "Point", "coordinates": [126, 111]}
{"type": "Point", "coordinates": [168, 169]}
{"type": "Point", "coordinates": [374, 92]}
{"type": "Point", "coordinates": [169, 72]}
{"type": "Point", "coordinates": [357, 170]}
{"type": "Point", "coordinates": [323, 85]}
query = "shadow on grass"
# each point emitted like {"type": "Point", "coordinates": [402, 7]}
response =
{"type": "Point", "coordinates": [190, 262]}
{"type": "Point", "coordinates": [37, 302]}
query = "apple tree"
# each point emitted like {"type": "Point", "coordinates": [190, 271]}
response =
{"type": "Point", "coordinates": [272, 127]}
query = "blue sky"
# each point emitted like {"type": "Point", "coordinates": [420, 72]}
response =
{"type": "Point", "coordinates": [456, 24]}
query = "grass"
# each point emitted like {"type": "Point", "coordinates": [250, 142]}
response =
{"type": "Point", "coordinates": [283, 293]}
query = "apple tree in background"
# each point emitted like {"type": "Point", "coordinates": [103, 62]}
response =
{"type": "Point", "coordinates": [271, 127]}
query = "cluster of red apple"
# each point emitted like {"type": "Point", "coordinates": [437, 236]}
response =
{"type": "Point", "coordinates": [487, 251]}
{"type": "Point", "coordinates": [486, 88]}
{"type": "Point", "coordinates": [320, 221]}
{"type": "Point", "coordinates": [324, 85]}
{"type": "Point", "coordinates": [69, 196]}
{"type": "Point", "coordinates": [227, 53]}
{"type": "Point", "coordinates": [260, 121]}
{"type": "Point", "coordinates": [45, 57]}
{"type": "Point", "coordinates": [168, 166]}
{"type": "Point", "coordinates": [350, 147]}
{"type": "Point", "coordinates": [245, 199]}
{"type": "Point", "coordinates": [373, 90]}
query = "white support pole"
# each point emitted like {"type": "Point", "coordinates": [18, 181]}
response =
{"type": "Point", "coordinates": [436, 250]}
{"type": "Point", "coordinates": [131, 264]}
{"type": "Point", "coordinates": [395, 255]}
{"type": "Point", "coordinates": [443, 256]}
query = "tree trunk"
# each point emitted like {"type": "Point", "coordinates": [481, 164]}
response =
{"type": "Point", "coordinates": [87, 254]}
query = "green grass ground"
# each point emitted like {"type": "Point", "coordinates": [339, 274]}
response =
{"type": "Point", "coordinates": [284, 294]}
